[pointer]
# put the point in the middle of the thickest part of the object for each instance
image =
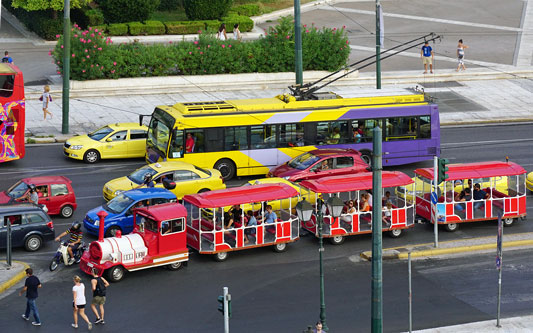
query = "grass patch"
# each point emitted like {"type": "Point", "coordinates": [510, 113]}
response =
{"type": "Point", "coordinates": [30, 140]}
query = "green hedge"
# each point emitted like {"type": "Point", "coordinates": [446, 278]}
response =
{"type": "Point", "coordinates": [148, 28]}
{"type": "Point", "coordinates": [184, 27]}
{"type": "Point", "coordinates": [251, 9]}
{"type": "Point", "coordinates": [98, 58]}
{"type": "Point", "coordinates": [245, 23]}
{"type": "Point", "coordinates": [117, 29]}
{"type": "Point", "coordinates": [206, 9]}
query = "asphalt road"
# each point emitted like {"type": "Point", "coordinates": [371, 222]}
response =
{"type": "Point", "coordinates": [274, 291]}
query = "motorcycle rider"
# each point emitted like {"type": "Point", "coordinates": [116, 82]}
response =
{"type": "Point", "coordinates": [31, 195]}
{"type": "Point", "coordinates": [75, 236]}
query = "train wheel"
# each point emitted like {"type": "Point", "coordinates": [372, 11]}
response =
{"type": "Point", "coordinates": [174, 266]}
{"type": "Point", "coordinates": [395, 233]}
{"type": "Point", "coordinates": [280, 247]}
{"type": "Point", "coordinates": [451, 227]}
{"type": "Point", "coordinates": [336, 240]}
{"type": "Point", "coordinates": [115, 273]}
{"type": "Point", "coordinates": [508, 222]}
{"type": "Point", "coordinates": [220, 256]}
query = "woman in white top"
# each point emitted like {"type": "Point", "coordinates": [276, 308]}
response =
{"type": "Point", "coordinates": [386, 218]}
{"type": "Point", "coordinates": [46, 98]}
{"type": "Point", "coordinates": [236, 32]}
{"type": "Point", "coordinates": [78, 293]}
{"type": "Point", "coordinates": [221, 34]}
{"type": "Point", "coordinates": [461, 55]}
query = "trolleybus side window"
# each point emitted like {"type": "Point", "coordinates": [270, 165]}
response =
{"type": "Point", "coordinates": [263, 136]}
{"type": "Point", "coordinates": [214, 139]}
{"type": "Point", "coordinates": [199, 141]}
{"type": "Point", "coordinates": [424, 124]}
{"type": "Point", "coordinates": [236, 138]}
{"type": "Point", "coordinates": [291, 135]}
{"type": "Point", "coordinates": [176, 144]}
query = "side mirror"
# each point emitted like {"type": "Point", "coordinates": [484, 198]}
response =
{"type": "Point", "coordinates": [169, 184]}
{"type": "Point", "coordinates": [109, 139]}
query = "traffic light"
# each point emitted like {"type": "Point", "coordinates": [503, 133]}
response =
{"type": "Point", "coordinates": [442, 169]}
{"type": "Point", "coordinates": [221, 305]}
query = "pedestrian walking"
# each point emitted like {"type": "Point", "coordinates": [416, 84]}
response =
{"type": "Point", "coordinates": [221, 34]}
{"type": "Point", "coordinates": [99, 286]}
{"type": "Point", "coordinates": [461, 55]}
{"type": "Point", "coordinates": [45, 98]}
{"type": "Point", "coordinates": [78, 303]}
{"type": "Point", "coordinates": [427, 57]}
{"type": "Point", "coordinates": [236, 32]}
{"type": "Point", "coordinates": [30, 287]}
{"type": "Point", "coordinates": [7, 58]}
{"type": "Point", "coordinates": [318, 327]}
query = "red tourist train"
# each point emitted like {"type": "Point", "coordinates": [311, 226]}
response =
{"type": "Point", "coordinates": [233, 219]}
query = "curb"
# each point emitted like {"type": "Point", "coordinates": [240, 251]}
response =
{"type": "Point", "coordinates": [11, 282]}
{"type": "Point", "coordinates": [394, 253]}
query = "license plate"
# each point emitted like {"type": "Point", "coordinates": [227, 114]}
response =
{"type": "Point", "coordinates": [90, 264]}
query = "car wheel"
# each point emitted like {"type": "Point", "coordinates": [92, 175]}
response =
{"type": "Point", "coordinates": [174, 266]}
{"type": "Point", "coordinates": [280, 247]}
{"type": "Point", "coordinates": [33, 243]}
{"type": "Point", "coordinates": [53, 265]}
{"type": "Point", "coordinates": [367, 157]}
{"type": "Point", "coordinates": [111, 231]}
{"type": "Point", "coordinates": [395, 233]}
{"type": "Point", "coordinates": [451, 227]}
{"type": "Point", "coordinates": [508, 222]}
{"type": "Point", "coordinates": [336, 240]}
{"type": "Point", "coordinates": [220, 256]}
{"type": "Point", "coordinates": [91, 156]}
{"type": "Point", "coordinates": [67, 211]}
{"type": "Point", "coordinates": [115, 273]}
{"type": "Point", "coordinates": [226, 167]}
{"type": "Point", "coordinates": [204, 190]}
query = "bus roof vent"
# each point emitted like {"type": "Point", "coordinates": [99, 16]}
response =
{"type": "Point", "coordinates": [206, 107]}
{"type": "Point", "coordinates": [324, 95]}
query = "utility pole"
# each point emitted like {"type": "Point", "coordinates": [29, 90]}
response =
{"type": "Point", "coordinates": [378, 45]}
{"type": "Point", "coordinates": [377, 274]}
{"type": "Point", "coordinates": [66, 67]}
{"type": "Point", "coordinates": [298, 44]}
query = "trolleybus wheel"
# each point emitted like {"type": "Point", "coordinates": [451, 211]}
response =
{"type": "Point", "coordinates": [91, 156]}
{"type": "Point", "coordinates": [220, 256]}
{"type": "Point", "coordinates": [336, 240]}
{"type": "Point", "coordinates": [226, 168]}
{"type": "Point", "coordinates": [115, 273]}
{"type": "Point", "coordinates": [451, 227]}
{"type": "Point", "coordinates": [280, 247]}
{"type": "Point", "coordinates": [395, 233]}
{"type": "Point", "coordinates": [112, 231]}
{"type": "Point", "coordinates": [174, 266]}
{"type": "Point", "coordinates": [508, 222]}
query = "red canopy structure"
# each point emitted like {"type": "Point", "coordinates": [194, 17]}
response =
{"type": "Point", "coordinates": [355, 182]}
{"type": "Point", "coordinates": [163, 212]}
{"type": "Point", "coordinates": [241, 195]}
{"type": "Point", "coordinates": [476, 170]}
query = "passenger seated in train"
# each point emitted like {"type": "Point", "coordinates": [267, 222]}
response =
{"type": "Point", "coordinates": [349, 210]}
{"type": "Point", "coordinates": [251, 224]}
{"type": "Point", "coordinates": [386, 198]}
{"type": "Point", "coordinates": [387, 212]}
{"type": "Point", "coordinates": [479, 194]}
{"type": "Point", "coordinates": [236, 212]}
{"type": "Point", "coordinates": [465, 195]}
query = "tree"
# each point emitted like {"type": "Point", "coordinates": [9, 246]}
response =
{"type": "Point", "coordinates": [120, 11]}
{"type": "Point", "coordinates": [56, 5]}
{"type": "Point", "coordinates": [206, 9]}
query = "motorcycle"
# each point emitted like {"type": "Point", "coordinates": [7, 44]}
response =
{"type": "Point", "coordinates": [63, 256]}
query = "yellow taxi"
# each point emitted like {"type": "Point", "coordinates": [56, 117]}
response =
{"type": "Point", "coordinates": [121, 140]}
{"type": "Point", "coordinates": [425, 187]}
{"type": "Point", "coordinates": [310, 196]}
{"type": "Point", "coordinates": [189, 179]}
{"type": "Point", "coordinates": [529, 181]}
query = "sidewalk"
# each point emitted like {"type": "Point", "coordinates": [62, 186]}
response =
{"type": "Point", "coordinates": [508, 325]}
{"type": "Point", "coordinates": [427, 250]}
{"type": "Point", "coordinates": [9, 276]}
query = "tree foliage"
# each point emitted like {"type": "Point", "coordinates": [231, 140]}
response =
{"type": "Point", "coordinates": [31, 5]}
{"type": "Point", "coordinates": [206, 9]}
{"type": "Point", "coordinates": [120, 11]}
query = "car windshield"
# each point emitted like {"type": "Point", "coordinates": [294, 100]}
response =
{"type": "Point", "coordinates": [17, 190]}
{"type": "Point", "coordinates": [137, 176]}
{"type": "Point", "coordinates": [100, 133]}
{"type": "Point", "coordinates": [118, 204]}
{"type": "Point", "coordinates": [303, 161]}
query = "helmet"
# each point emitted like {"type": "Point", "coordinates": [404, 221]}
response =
{"type": "Point", "coordinates": [75, 226]}
{"type": "Point", "coordinates": [31, 187]}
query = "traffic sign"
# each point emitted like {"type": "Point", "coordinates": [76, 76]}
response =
{"type": "Point", "coordinates": [434, 197]}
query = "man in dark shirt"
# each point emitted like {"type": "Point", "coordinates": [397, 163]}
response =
{"type": "Point", "coordinates": [30, 287]}
{"type": "Point", "coordinates": [479, 194]}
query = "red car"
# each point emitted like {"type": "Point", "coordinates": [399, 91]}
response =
{"type": "Point", "coordinates": [54, 191]}
{"type": "Point", "coordinates": [320, 163]}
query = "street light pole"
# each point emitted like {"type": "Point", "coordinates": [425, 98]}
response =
{"type": "Point", "coordinates": [66, 67]}
{"type": "Point", "coordinates": [298, 66]}
{"type": "Point", "coordinates": [320, 216]}
{"type": "Point", "coordinates": [378, 45]}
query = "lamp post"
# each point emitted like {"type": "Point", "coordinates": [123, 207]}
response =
{"type": "Point", "coordinates": [305, 210]}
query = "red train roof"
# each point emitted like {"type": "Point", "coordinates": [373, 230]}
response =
{"type": "Point", "coordinates": [355, 182]}
{"type": "Point", "coordinates": [163, 212]}
{"type": "Point", "coordinates": [242, 195]}
{"type": "Point", "coordinates": [476, 170]}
